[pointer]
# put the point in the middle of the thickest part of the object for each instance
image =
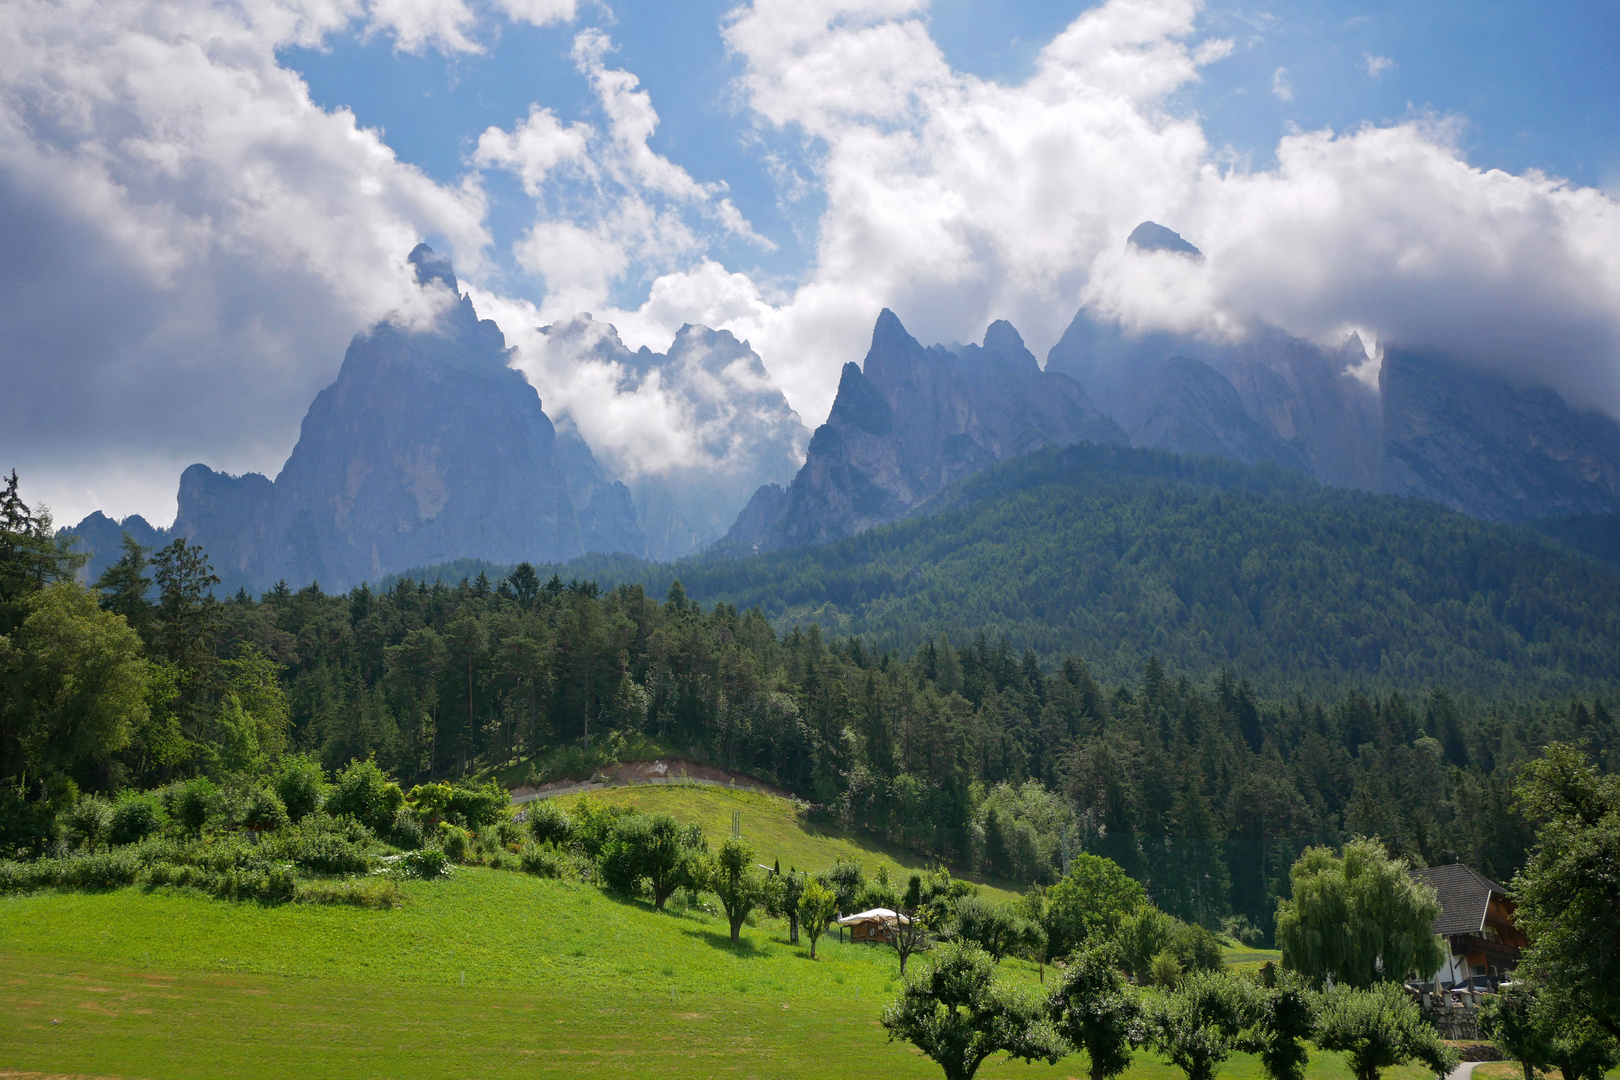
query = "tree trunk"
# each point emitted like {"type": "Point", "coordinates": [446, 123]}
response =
{"type": "Point", "coordinates": [793, 928]}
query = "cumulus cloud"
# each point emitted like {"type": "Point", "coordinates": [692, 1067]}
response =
{"type": "Point", "coordinates": [190, 240]}
{"type": "Point", "coordinates": [1377, 65]}
{"type": "Point", "coordinates": [608, 204]}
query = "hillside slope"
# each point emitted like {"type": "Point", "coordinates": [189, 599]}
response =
{"type": "Point", "coordinates": [1116, 554]}
{"type": "Point", "coordinates": [775, 828]}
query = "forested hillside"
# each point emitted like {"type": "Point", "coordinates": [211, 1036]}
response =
{"type": "Point", "coordinates": [974, 753]}
{"type": "Point", "coordinates": [1119, 555]}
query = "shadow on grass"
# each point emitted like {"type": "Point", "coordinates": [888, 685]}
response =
{"type": "Point", "coordinates": [721, 939]}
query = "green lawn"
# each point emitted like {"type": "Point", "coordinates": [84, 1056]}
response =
{"type": "Point", "coordinates": [774, 827]}
{"type": "Point", "coordinates": [560, 980]}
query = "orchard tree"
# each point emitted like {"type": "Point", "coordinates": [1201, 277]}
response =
{"type": "Point", "coordinates": [1379, 1028]}
{"type": "Point", "coordinates": [954, 1011]}
{"type": "Point", "coordinates": [733, 878]}
{"type": "Point", "coordinates": [1196, 1024]}
{"type": "Point", "coordinates": [1093, 1008]}
{"type": "Point", "coordinates": [782, 895]}
{"type": "Point", "coordinates": [817, 905]}
{"type": "Point", "coordinates": [1276, 1016]}
{"type": "Point", "coordinates": [1360, 918]}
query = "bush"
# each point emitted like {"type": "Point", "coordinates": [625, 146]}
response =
{"type": "Point", "coordinates": [27, 826]}
{"type": "Point", "coordinates": [300, 783]}
{"type": "Point", "coordinates": [135, 816]}
{"type": "Point", "coordinates": [548, 822]}
{"type": "Point", "coordinates": [478, 805]}
{"type": "Point", "coordinates": [511, 833]}
{"type": "Point", "coordinates": [407, 831]}
{"type": "Point", "coordinates": [192, 802]}
{"type": "Point", "coordinates": [364, 793]}
{"type": "Point", "coordinates": [322, 845]}
{"type": "Point", "coordinates": [262, 811]}
{"type": "Point", "coordinates": [427, 863]}
{"type": "Point", "coordinates": [88, 820]}
{"type": "Point", "coordinates": [542, 860]}
{"type": "Point", "coordinates": [275, 884]}
{"type": "Point", "coordinates": [87, 870]}
{"type": "Point", "coordinates": [457, 844]}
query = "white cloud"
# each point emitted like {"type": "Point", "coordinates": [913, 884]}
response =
{"type": "Point", "coordinates": [609, 207]}
{"type": "Point", "coordinates": [1282, 87]}
{"type": "Point", "coordinates": [1377, 65]}
{"type": "Point", "coordinates": [190, 240]}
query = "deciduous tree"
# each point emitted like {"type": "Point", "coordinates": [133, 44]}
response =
{"type": "Point", "coordinates": [956, 1012]}
{"type": "Point", "coordinates": [1360, 918]}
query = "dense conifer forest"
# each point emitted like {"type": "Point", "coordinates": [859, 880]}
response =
{"type": "Point", "coordinates": [974, 752]}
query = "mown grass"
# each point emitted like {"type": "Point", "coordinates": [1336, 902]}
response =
{"type": "Point", "coordinates": [561, 979]}
{"type": "Point", "coordinates": [775, 828]}
{"type": "Point", "coordinates": [486, 973]}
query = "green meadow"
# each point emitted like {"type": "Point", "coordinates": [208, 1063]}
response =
{"type": "Point", "coordinates": [484, 974]}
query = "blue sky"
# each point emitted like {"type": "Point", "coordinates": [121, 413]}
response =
{"type": "Point", "coordinates": [193, 239]}
{"type": "Point", "coordinates": [1529, 86]}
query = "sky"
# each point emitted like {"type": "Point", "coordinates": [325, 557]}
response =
{"type": "Point", "coordinates": [203, 202]}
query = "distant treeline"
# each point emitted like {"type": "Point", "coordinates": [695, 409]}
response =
{"type": "Point", "coordinates": [969, 751]}
{"type": "Point", "coordinates": [1119, 555]}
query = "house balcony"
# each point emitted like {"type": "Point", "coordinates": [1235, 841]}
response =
{"type": "Point", "coordinates": [1499, 953]}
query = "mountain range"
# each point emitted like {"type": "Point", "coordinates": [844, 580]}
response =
{"type": "Point", "coordinates": [430, 446]}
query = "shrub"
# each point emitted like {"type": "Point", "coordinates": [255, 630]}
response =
{"type": "Point", "coordinates": [407, 831]}
{"type": "Point", "coordinates": [548, 822]}
{"type": "Point", "coordinates": [275, 884]}
{"type": "Point", "coordinates": [543, 860]}
{"type": "Point", "coordinates": [262, 811]}
{"type": "Point", "coordinates": [135, 816]}
{"type": "Point", "coordinates": [300, 782]}
{"type": "Point", "coordinates": [457, 844]}
{"type": "Point", "coordinates": [27, 826]}
{"type": "Point", "coordinates": [364, 793]}
{"type": "Point", "coordinates": [88, 820]}
{"type": "Point", "coordinates": [323, 845]}
{"type": "Point", "coordinates": [192, 802]}
{"type": "Point", "coordinates": [511, 833]}
{"type": "Point", "coordinates": [427, 863]}
{"type": "Point", "coordinates": [478, 805]}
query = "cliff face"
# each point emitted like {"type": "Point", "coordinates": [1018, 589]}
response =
{"type": "Point", "coordinates": [910, 421]}
{"type": "Point", "coordinates": [426, 448]}
{"type": "Point", "coordinates": [1475, 443]}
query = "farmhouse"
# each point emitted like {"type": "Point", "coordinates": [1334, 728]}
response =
{"type": "Point", "coordinates": [1476, 921]}
{"type": "Point", "coordinates": [875, 926]}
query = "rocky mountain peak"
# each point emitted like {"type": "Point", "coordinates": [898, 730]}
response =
{"type": "Point", "coordinates": [431, 268]}
{"type": "Point", "coordinates": [907, 423]}
{"type": "Point", "coordinates": [1151, 236]}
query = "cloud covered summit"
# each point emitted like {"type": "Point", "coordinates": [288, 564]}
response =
{"type": "Point", "coordinates": [194, 239]}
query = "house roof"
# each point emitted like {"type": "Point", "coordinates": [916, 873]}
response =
{"type": "Point", "coordinates": [877, 914]}
{"type": "Point", "coordinates": [1465, 895]}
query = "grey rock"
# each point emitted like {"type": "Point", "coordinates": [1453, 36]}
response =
{"type": "Point", "coordinates": [427, 447]}
{"type": "Point", "coordinates": [1194, 409]}
{"type": "Point", "coordinates": [1151, 236]}
{"type": "Point", "coordinates": [910, 421]}
{"type": "Point", "coordinates": [1476, 443]}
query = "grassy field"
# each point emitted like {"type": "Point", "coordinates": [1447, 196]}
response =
{"type": "Point", "coordinates": [484, 974]}
{"type": "Point", "coordinates": [773, 826]}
